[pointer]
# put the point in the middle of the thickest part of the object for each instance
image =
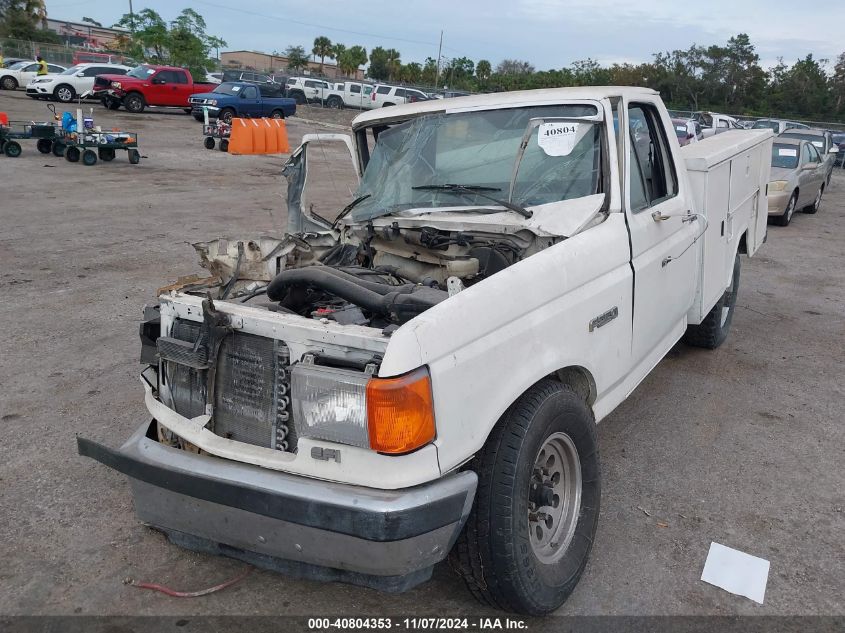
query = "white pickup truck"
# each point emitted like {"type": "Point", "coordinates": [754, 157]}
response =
{"type": "Point", "coordinates": [349, 94]}
{"type": "Point", "coordinates": [421, 376]}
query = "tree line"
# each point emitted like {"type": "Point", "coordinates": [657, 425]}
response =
{"type": "Point", "coordinates": [725, 77]}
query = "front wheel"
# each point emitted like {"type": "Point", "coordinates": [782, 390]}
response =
{"type": "Point", "coordinates": [531, 529]}
{"type": "Point", "coordinates": [12, 149]}
{"type": "Point", "coordinates": [105, 154]}
{"type": "Point", "coordinates": [64, 93]}
{"type": "Point", "coordinates": [72, 154]}
{"type": "Point", "coordinates": [786, 217]}
{"type": "Point", "coordinates": [89, 157]}
{"type": "Point", "coordinates": [224, 145]}
{"type": "Point", "coordinates": [713, 330]}
{"type": "Point", "coordinates": [134, 102]}
{"type": "Point", "coordinates": [209, 142]}
{"type": "Point", "coordinates": [44, 145]}
{"type": "Point", "coordinates": [226, 116]}
{"type": "Point", "coordinates": [134, 156]}
{"type": "Point", "coordinates": [817, 203]}
{"type": "Point", "coordinates": [58, 149]}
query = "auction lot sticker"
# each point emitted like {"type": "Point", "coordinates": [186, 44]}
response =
{"type": "Point", "coordinates": [558, 138]}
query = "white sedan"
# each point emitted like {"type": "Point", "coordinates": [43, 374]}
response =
{"type": "Point", "coordinates": [21, 73]}
{"type": "Point", "coordinates": [74, 81]}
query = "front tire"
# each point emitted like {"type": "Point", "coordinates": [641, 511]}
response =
{"type": "Point", "coordinates": [134, 102]}
{"type": "Point", "coordinates": [713, 330]}
{"type": "Point", "coordinates": [532, 526]}
{"type": "Point", "coordinates": [786, 217]}
{"type": "Point", "coordinates": [72, 154]}
{"type": "Point", "coordinates": [44, 145]}
{"type": "Point", "coordinates": [89, 157]}
{"type": "Point", "coordinates": [64, 93]}
{"type": "Point", "coordinates": [12, 149]}
{"type": "Point", "coordinates": [817, 203]}
{"type": "Point", "coordinates": [226, 116]}
{"type": "Point", "coordinates": [209, 142]}
{"type": "Point", "coordinates": [58, 149]}
{"type": "Point", "coordinates": [277, 114]}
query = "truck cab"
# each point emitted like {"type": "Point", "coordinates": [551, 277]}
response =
{"type": "Point", "coordinates": [148, 85]}
{"type": "Point", "coordinates": [415, 371]}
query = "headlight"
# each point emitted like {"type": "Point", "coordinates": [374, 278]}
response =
{"type": "Point", "coordinates": [212, 102]}
{"type": "Point", "coordinates": [116, 84]}
{"type": "Point", "coordinates": [777, 185]}
{"type": "Point", "coordinates": [42, 81]}
{"type": "Point", "coordinates": [388, 415]}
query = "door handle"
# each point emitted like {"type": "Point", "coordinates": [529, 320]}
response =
{"type": "Point", "coordinates": [670, 258]}
{"type": "Point", "coordinates": [689, 216]}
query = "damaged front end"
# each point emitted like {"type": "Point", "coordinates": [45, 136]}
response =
{"type": "Point", "coordinates": [274, 435]}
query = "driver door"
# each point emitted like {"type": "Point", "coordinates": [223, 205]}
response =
{"type": "Point", "coordinates": [664, 255]}
{"type": "Point", "coordinates": [322, 176]}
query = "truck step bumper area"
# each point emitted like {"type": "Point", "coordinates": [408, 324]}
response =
{"type": "Point", "coordinates": [384, 539]}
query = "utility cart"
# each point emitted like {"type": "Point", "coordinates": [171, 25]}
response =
{"type": "Point", "coordinates": [48, 137]}
{"type": "Point", "coordinates": [218, 130]}
{"type": "Point", "coordinates": [90, 145]}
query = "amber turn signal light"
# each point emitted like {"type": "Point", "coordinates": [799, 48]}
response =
{"type": "Point", "coordinates": [400, 412]}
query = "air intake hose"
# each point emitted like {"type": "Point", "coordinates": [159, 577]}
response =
{"type": "Point", "coordinates": [401, 303]}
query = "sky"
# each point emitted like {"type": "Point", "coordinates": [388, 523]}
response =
{"type": "Point", "coordinates": [546, 33]}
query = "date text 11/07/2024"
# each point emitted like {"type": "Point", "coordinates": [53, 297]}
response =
{"type": "Point", "coordinates": [418, 624]}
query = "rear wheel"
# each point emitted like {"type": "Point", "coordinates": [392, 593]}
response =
{"type": "Point", "coordinates": [713, 330]}
{"type": "Point", "coordinates": [277, 114]}
{"type": "Point", "coordinates": [134, 102]}
{"type": "Point", "coordinates": [72, 154]}
{"type": "Point", "coordinates": [209, 142]}
{"type": "Point", "coordinates": [105, 154]}
{"type": "Point", "coordinates": [58, 149]}
{"type": "Point", "coordinates": [134, 156]}
{"type": "Point", "coordinates": [8, 83]}
{"type": "Point", "coordinates": [224, 145]}
{"type": "Point", "coordinates": [531, 529]}
{"type": "Point", "coordinates": [299, 97]}
{"type": "Point", "coordinates": [12, 149]}
{"type": "Point", "coordinates": [44, 145]}
{"type": "Point", "coordinates": [89, 157]}
{"type": "Point", "coordinates": [817, 203]}
{"type": "Point", "coordinates": [335, 102]}
{"type": "Point", "coordinates": [64, 93]}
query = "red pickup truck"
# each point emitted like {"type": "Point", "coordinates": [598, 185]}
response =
{"type": "Point", "coordinates": [148, 85]}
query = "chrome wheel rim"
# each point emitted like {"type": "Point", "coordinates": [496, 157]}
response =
{"type": "Point", "coordinates": [64, 94]}
{"type": "Point", "coordinates": [790, 207]}
{"type": "Point", "coordinates": [818, 201]}
{"type": "Point", "coordinates": [554, 498]}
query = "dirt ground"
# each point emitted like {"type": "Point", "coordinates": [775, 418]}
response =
{"type": "Point", "coordinates": [744, 445]}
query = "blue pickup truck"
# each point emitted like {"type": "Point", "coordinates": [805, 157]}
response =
{"type": "Point", "coordinates": [240, 99]}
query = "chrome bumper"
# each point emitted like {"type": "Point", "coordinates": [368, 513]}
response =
{"type": "Point", "coordinates": [385, 539]}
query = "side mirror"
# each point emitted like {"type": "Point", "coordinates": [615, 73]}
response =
{"type": "Point", "coordinates": [833, 150]}
{"type": "Point", "coordinates": [158, 81]}
{"type": "Point", "coordinates": [80, 74]}
{"type": "Point", "coordinates": [809, 166]}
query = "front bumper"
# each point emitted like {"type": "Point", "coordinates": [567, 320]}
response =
{"type": "Point", "coordinates": [778, 201]}
{"type": "Point", "coordinates": [38, 90]}
{"type": "Point", "coordinates": [385, 539]}
{"type": "Point", "coordinates": [213, 111]}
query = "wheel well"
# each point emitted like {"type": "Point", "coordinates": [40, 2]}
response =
{"type": "Point", "coordinates": [580, 379]}
{"type": "Point", "coordinates": [743, 247]}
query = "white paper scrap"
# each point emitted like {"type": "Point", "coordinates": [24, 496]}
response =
{"type": "Point", "coordinates": [787, 152]}
{"type": "Point", "coordinates": [737, 572]}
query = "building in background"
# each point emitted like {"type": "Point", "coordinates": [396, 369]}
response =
{"type": "Point", "coordinates": [86, 35]}
{"type": "Point", "coordinates": [266, 63]}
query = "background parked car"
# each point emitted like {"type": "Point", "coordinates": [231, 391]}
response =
{"type": "Point", "coordinates": [714, 123]}
{"type": "Point", "coordinates": [797, 179]}
{"type": "Point", "coordinates": [384, 95]}
{"type": "Point", "coordinates": [779, 125]}
{"type": "Point", "coordinates": [21, 73]}
{"type": "Point", "coordinates": [214, 78]}
{"type": "Point", "coordinates": [687, 130]}
{"type": "Point", "coordinates": [74, 81]}
{"type": "Point", "coordinates": [307, 90]}
{"type": "Point", "coordinates": [822, 140]}
{"type": "Point", "coordinates": [839, 139]}
{"type": "Point", "coordinates": [246, 75]}
{"type": "Point", "coordinates": [449, 94]}
{"type": "Point", "coordinates": [9, 61]}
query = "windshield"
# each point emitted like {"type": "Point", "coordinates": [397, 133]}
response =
{"type": "Point", "coordinates": [815, 139]}
{"type": "Point", "coordinates": [72, 70]}
{"type": "Point", "coordinates": [681, 129]}
{"type": "Point", "coordinates": [140, 72]}
{"type": "Point", "coordinates": [227, 89]}
{"type": "Point", "coordinates": [762, 125]}
{"type": "Point", "coordinates": [561, 160]}
{"type": "Point", "coordinates": [785, 156]}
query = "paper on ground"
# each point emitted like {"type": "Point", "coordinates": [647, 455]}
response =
{"type": "Point", "coordinates": [737, 572]}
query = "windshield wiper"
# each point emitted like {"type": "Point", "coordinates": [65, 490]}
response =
{"type": "Point", "coordinates": [476, 190]}
{"type": "Point", "coordinates": [349, 208]}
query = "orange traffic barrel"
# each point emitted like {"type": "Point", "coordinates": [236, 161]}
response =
{"type": "Point", "coordinates": [272, 140]}
{"type": "Point", "coordinates": [240, 139]}
{"type": "Point", "coordinates": [259, 137]}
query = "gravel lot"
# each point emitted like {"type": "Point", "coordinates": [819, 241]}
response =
{"type": "Point", "coordinates": [744, 445]}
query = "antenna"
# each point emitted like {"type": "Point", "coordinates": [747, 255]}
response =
{"type": "Point", "coordinates": [439, 50]}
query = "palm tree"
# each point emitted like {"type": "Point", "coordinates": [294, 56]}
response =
{"type": "Point", "coordinates": [392, 58]}
{"type": "Point", "coordinates": [322, 49]}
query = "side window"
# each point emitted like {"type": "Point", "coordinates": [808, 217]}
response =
{"type": "Point", "coordinates": [55, 69]}
{"type": "Point", "coordinates": [722, 123]}
{"type": "Point", "coordinates": [401, 93]}
{"type": "Point", "coordinates": [814, 154]}
{"type": "Point", "coordinates": [250, 92]}
{"type": "Point", "coordinates": [355, 89]}
{"type": "Point", "coordinates": [650, 167]}
{"type": "Point", "coordinates": [117, 71]}
{"type": "Point", "coordinates": [165, 76]}
{"type": "Point", "coordinates": [383, 90]}
{"type": "Point", "coordinates": [310, 84]}
{"type": "Point", "coordinates": [181, 77]}
{"type": "Point", "coordinates": [30, 69]}
{"type": "Point", "coordinates": [93, 71]}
